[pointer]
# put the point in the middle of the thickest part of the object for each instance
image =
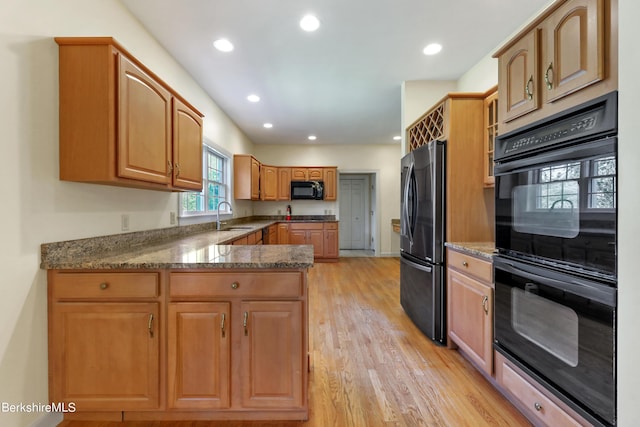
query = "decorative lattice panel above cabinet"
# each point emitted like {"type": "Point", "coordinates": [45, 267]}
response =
{"type": "Point", "coordinates": [428, 128]}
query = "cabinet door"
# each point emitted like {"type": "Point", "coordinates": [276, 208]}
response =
{"type": "Point", "coordinates": [284, 183]}
{"type": "Point", "coordinates": [316, 238]}
{"type": "Point", "coordinates": [105, 356]}
{"type": "Point", "coordinates": [299, 174]}
{"type": "Point", "coordinates": [330, 184]}
{"type": "Point", "coordinates": [331, 244]}
{"type": "Point", "coordinates": [255, 179]}
{"type": "Point", "coordinates": [470, 307]}
{"type": "Point", "coordinates": [298, 237]}
{"type": "Point", "coordinates": [283, 234]}
{"type": "Point", "coordinates": [490, 133]}
{"type": "Point", "coordinates": [268, 183]}
{"type": "Point", "coordinates": [198, 357]}
{"type": "Point", "coordinates": [187, 147]}
{"type": "Point", "coordinates": [272, 354]}
{"type": "Point", "coordinates": [144, 132]}
{"type": "Point", "coordinates": [315, 174]}
{"type": "Point", "coordinates": [573, 48]}
{"type": "Point", "coordinates": [518, 77]}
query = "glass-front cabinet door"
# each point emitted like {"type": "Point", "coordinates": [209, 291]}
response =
{"type": "Point", "coordinates": [490, 133]}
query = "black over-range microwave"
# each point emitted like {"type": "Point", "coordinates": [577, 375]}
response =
{"type": "Point", "coordinates": [309, 190]}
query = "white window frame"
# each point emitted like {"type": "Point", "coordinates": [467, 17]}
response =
{"type": "Point", "coordinates": [226, 183]}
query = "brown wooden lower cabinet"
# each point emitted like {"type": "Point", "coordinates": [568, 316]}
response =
{"type": "Point", "coordinates": [236, 344]}
{"type": "Point", "coordinates": [199, 358]}
{"type": "Point", "coordinates": [323, 237]}
{"type": "Point", "coordinates": [470, 307]}
{"type": "Point", "coordinates": [537, 404]}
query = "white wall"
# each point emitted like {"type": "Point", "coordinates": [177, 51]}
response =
{"type": "Point", "coordinates": [37, 207]}
{"type": "Point", "coordinates": [383, 159]}
{"type": "Point", "coordinates": [628, 225]}
{"type": "Point", "coordinates": [481, 77]}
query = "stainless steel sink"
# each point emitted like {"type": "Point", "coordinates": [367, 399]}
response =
{"type": "Point", "coordinates": [239, 228]}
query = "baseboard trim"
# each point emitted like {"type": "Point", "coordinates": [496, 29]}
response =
{"type": "Point", "coordinates": [51, 419]}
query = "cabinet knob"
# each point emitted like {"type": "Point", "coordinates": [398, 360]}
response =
{"type": "Point", "coordinates": [537, 406]}
{"type": "Point", "coordinates": [465, 263]}
{"type": "Point", "coordinates": [235, 285]}
{"type": "Point", "coordinates": [104, 285]}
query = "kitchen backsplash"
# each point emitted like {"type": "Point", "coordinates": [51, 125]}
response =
{"type": "Point", "coordinates": [298, 207]}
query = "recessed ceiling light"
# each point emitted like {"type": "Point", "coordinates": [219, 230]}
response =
{"type": "Point", "coordinates": [253, 98]}
{"type": "Point", "coordinates": [309, 23]}
{"type": "Point", "coordinates": [432, 49]}
{"type": "Point", "coordinates": [268, 125]}
{"type": "Point", "coordinates": [312, 137]}
{"type": "Point", "coordinates": [223, 45]}
{"type": "Point", "coordinates": [397, 138]}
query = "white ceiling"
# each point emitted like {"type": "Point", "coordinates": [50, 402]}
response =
{"type": "Point", "coordinates": [342, 82]}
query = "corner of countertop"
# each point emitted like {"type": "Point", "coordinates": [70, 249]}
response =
{"type": "Point", "coordinates": [481, 249]}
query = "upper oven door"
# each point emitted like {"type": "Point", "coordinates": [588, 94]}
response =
{"type": "Point", "coordinates": [559, 206]}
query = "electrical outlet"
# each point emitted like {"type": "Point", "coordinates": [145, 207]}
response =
{"type": "Point", "coordinates": [172, 218]}
{"type": "Point", "coordinates": [124, 221]}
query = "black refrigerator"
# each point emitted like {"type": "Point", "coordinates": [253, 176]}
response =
{"type": "Point", "coordinates": [422, 236]}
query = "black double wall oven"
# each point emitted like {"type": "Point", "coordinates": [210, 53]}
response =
{"type": "Point", "coordinates": [556, 271]}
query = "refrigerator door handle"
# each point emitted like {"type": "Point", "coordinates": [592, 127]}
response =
{"type": "Point", "coordinates": [407, 219]}
{"type": "Point", "coordinates": [425, 268]}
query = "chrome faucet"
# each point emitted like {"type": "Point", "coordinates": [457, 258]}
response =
{"type": "Point", "coordinates": [218, 213]}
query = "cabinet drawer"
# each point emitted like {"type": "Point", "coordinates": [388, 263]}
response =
{"type": "Point", "coordinates": [231, 285]}
{"type": "Point", "coordinates": [330, 225]}
{"type": "Point", "coordinates": [105, 285]}
{"type": "Point", "coordinates": [306, 226]}
{"type": "Point", "coordinates": [540, 407]}
{"type": "Point", "coordinates": [470, 265]}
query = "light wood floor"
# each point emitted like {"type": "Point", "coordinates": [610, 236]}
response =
{"type": "Point", "coordinates": [371, 367]}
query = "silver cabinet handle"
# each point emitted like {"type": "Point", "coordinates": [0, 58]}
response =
{"type": "Point", "coordinates": [547, 80]}
{"type": "Point", "coordinates": [246, 319]}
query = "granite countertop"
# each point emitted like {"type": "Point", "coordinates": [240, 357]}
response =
{"type": "Point", "coordinates": [200, 246]}
{"type": "Point", "coordinates": [481, 249]}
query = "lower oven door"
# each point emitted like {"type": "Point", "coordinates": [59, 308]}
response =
{"type": "Point", "coordinates": [560, 329]}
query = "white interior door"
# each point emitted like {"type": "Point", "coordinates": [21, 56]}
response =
{"type": "Point", "coordinates": [353, 211]}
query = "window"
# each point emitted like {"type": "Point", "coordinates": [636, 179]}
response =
{"type": "Point", "coordinates": [215, 185]}
{"type": "Point", "coordinates": [602, 189]}
{"type": "Point", "coordinates": [558, 188]}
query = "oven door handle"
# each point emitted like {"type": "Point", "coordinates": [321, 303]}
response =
{"type": "Point", "coordinates": [584, 288]}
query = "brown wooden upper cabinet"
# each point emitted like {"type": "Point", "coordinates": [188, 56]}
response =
{"type": "Point", "coordinates": [566, 56]}
{"type": "Point", "coordinates": [253, 180]}
{"type": "Point", "coordinates": [490, 133]}
{"type": "Point", "coordinates": [284, 183]}
{"type": "Point", "coordinates": [330, 178]}
{"type": "Point", "coordinates": [269, 183]}
{"type": "Point", "coordinates": [246, 177]}
{"type": "Point", "coordinates": [122, 125]}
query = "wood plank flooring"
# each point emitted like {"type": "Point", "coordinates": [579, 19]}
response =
{"type": "Point", "coordinates": [371, 366]}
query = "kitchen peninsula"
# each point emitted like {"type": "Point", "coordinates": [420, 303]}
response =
{"type": "Point", "coordinates": [179, 325]}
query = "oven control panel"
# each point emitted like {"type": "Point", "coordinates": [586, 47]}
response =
{"type": "Point", "coordinates": [597, 117]}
